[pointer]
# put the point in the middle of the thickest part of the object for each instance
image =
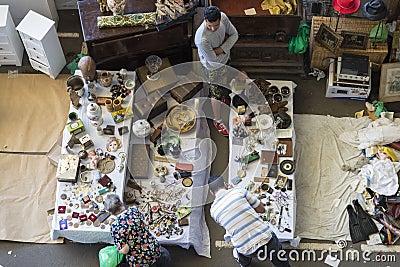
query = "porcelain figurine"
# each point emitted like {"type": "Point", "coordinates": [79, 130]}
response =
{"type": "Point", "coordinates": [94, 159]}
{"type": "Point", "coordinates": [113, 144]}
{"type": "Point", "coordinates": [94, 114]}
{"type": "Point", "coordinates": [103, 5]}
{"type": "Point", "coordinates": [116, 6]}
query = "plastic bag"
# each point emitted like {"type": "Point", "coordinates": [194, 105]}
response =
{"type": "Point", "coordinates": [298, 44]}
{"type": "Point", "coordinates": [110, 256]}
{"type": "Point", "coordinates": [379, 33]}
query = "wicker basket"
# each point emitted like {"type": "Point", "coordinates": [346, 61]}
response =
{"type": "Point", "coordinates": [320, 55]}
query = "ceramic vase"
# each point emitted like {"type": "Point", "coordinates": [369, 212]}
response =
{"type": "Point", "coordinates": [94, 114]}
{"type": "Point", "coordinates": [87, 66]}
{"type": "Point", "coordinates": [116, 6]}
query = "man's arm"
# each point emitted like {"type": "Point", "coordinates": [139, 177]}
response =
{"type": "Point", "coordinates": [209, 54]}
{"type": "Point", "coordinates": [254, 202]}
{"type": "Point", "coordinates": [232, 33]}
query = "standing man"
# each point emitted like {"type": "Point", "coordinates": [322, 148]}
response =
{"type": "Point", "coordinates": [237, 211]}
{"type": "Point", "coordinates": [214, 39]}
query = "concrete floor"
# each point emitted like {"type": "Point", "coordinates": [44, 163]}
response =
{"type": "Point", "coordinates": [309, 99]}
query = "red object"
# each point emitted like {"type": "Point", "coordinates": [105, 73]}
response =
{"type": "Point", "coordinates": [183, 167]}
{"type": "Point", "coordinates": [75, 215]}
{"type": "Point", "coordinates": [154, 209]}
{"type": "Point", "coordinates": [221, 128]}
{"type": "Point", "coordinates": [62, 209]}
{"type": "Point", "coordinates": [346, 6]}
{"type": "Point", "coordinates": [92, 217]}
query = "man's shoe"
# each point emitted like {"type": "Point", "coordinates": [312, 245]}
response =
{"type": "Point", "coordinates": [221, 128]}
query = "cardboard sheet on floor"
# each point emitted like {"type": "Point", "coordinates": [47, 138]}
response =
{"type": "Point", "coordinates": [27, 186]}
{"type": "Point", "coordinates": [34, 110]}
{"type": "Point", "coordinates": [323, 189]}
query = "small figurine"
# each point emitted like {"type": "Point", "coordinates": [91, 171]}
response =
{"type": "Point", "coordinates": [116, 6]}
{"type": "Point", "coordinates": [88, 68]}
{"type": "Point", "coordinates": [113, 144]}
{"type": "Point", "coordinates": [94, 159]}
{"type": "Point", "coordinates": [73, 95]}
{"type": "Point", "coordinates": [103, 5]}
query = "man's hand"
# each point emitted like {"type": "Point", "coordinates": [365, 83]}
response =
{"type": "Point", "coordinates": [218, 51]}
{"type": "Point", "coordinates": [124, 249]}
{"type": "Point", "coordinates": [260, 208]}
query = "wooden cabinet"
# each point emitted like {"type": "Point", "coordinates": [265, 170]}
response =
{"type": "Point", "coordinates": [42, 45]}
{"type": "Point", "coordinates": [258, 49]}
{"type": "Point", "coordinates": [11, 48]}
{"type": "Point", "coordinates": [128, 47]}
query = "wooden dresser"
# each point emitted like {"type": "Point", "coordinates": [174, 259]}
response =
{"type": "Point", "coordinates": [257, 49]}
{"type": "Point", "coordinates": [128, 47]}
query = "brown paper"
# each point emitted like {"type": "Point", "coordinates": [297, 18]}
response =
{"type": "Point", "coordinates": [33, 109]}
{"type": "Point", "coordinates": [28, 189]}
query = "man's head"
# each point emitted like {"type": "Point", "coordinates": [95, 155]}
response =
{"type": "Point", "coordinates": [216, 183]}
{"type": "Point", "coordinates": [212, 16]}
{"type": "Point", "coordinates": [113, 204]}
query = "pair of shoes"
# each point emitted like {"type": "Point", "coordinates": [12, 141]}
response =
{"type": "Point", "coordinates": [221, 128]}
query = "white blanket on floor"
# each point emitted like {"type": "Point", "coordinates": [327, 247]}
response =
{"type": "Point", "coordinates": [323, 189]}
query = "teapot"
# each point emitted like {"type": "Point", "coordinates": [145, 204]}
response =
{"type": "Point", "coordinates": [141, 128]}
{"type": "Point", "coordinates": [106, 78]}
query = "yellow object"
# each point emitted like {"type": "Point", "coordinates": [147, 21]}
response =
{"type": "Point", "coordinates": [276, 7]}
{"type": "Point", "coordinates": [359, 114]}
{"type": "Point", "coordinates": [388, 152]}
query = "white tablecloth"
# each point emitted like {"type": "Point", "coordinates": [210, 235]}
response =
{"type": "Point", "coordinates": [86, 233]}
{"type": "Point", "coordinates": [196, 143]}
{"type": "Point", "coordinates": [254, 169]}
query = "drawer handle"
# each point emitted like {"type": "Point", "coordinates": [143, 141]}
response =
{"type": "Point", "coordinates": [37, 57]}
{"type": "Point", "coordinates": [40, 67]}
{"type": "Point", "coordinates": [34, 48]}
{"type": "Point", "coordinates": [1, 48]}
{"type": "Point", "coordinates": [4, 57]}
{"type": "Point", "coordinates": [30, 39]}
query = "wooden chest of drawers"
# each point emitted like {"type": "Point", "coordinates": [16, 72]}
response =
{"type": "Point", "coordinates": [128, 47]}
{"type": "Point", "coordinates": [257, 49]}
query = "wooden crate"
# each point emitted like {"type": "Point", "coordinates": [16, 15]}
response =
{"type": "Point", "coordinates": [320, 55]}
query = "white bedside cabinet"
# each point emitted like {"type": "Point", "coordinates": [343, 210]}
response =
{"type": "Point", "coordinates": [42, 45]}
{"type": "Point", "coordinates": [11, 48]}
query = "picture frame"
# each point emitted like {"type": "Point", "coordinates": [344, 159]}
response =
{"type": "Point", "coordinates": [281, 181]}
{"type": "Point", "coordinates": [389, 87]}
{"type": "Point", "coordinates": [327, 37]}
{"type": "Point", "coordinates": [354, 40]}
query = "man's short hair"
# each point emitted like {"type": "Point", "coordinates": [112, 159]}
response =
{"type": "Point", "coordinates": [113, 204]}
{"type": "Point", "coordinates": [212, 13]}
{"type": "Point", "coordinates": [215, 183]}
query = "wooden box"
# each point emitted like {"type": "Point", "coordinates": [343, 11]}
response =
{"type": "Point", "coordinates": [320, 55]}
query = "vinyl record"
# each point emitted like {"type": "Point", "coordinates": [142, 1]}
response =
{"type": "Point", "coordinates": [287, 167]}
